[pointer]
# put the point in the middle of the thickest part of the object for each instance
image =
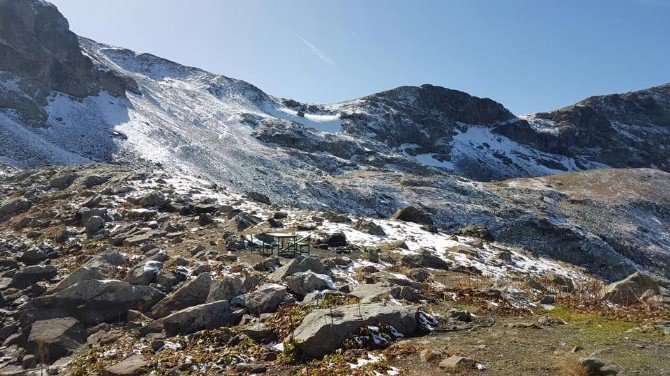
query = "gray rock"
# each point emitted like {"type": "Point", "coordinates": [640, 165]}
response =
{"type": "Point", "coordinates": [32, 274]}
{"type": "Point", "coordinates": [204, 316]}
{"type": "Point", "coordinates": [244, 221]}
{"type": "Point", "coordinates": [193, 293]}
{"type": "Point", "coordinates": [92, 302]}
{"type": "Point", "coordinates": [631, 289]}
{"type": "Point", "coordinates": [413, 214]}
{"type": "Point", "coordinates": [598, 367]}
{"type": "Point", "coordinates": [153, 199]}
{"type": "Point", "coordinates": [305, 282]}
{"type": "Point", "coordinates": [297, 265]}
{"type": "Point", "coordinates": [324, 330]}
{"type": "Point", "coordinates": [258, 197]}
{"type": "Point", "coordinates": [458, 364]}
{"type": "Point", "coordinates": [369, 227]}
{"type": "Point", "coordinates": [82, 274]}
{"type": "Point", "coordinates": [94, 224]}
{"type": "Point", "coordinates": [63, 180]}
{"type": "Point", "coordinates": [374, 292]}
{"type": "Point", "coordinates": [144, 273]}
{"type": "Point", "coordinates": [267, 298]}
{"type": "Point", "coordinates": [225, 289]}
{"type": "Point", "coordinates": [205, 219]}
{"type": "Point", "coordinates": [32, 256]}
{"type": "Point", "coordinates": [14, 207]}
{"type": "Point", "coordinates": [424, 259]}
{"type": "Point", "coordinates": [133, 365]}
{"type": "Point", "coordinates": [50, 340]}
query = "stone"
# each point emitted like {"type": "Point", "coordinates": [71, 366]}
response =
{"type": "Point", "coordinates": [144, 273]}
{"type": "Point", "coordinates": [424, 259]}
{"type": "Point", "coordinates": [631, 289]}
{"type": "Point", "coordinates": [458, 363]}
{"type": "Point", "coordinates": [82, 274]}
{"type": "Point", "coordinates": [50, 340]}
{"type": "Point", "coordinates": [369, 227]}
{"type": "Point", "coordinates": [280, 215]}
{"type": "Point", "coordinates": [260, 333]}
{"type": "Point", "coordinates": [267, 298]}
{"type": "Point", "coordinates": [14, 207]}
{"type": "Point", "coordinates": [548, 300]}
{"type": "Point", "coordinates": [92, 302]}
{"type": "Point", "coordinates": [244, 221]}
{"type": "Point", "coordinates": [225, 289]}
{"type": "Point", "coordinates": [374, 292]}
{"type": "Point", "coordinates": [297, 265]}
{"type": "Point", "coordinates": [94, 224]}
{"type": "Point", "coordinates": [63, 180]}
{"type": "Point", "coordinates": [33, 256]}
{"type": "Point", "coordinates": [153, 199]}
{"type": "Point", "coordinates": [32, 274]}
{"type": "Point", "coordinates": [337, 239]}
{"type": "Point", "coordinates": [305, 282]}
{"type": "Point", "coordinates": [414, 215]}
{"type": "Point", "coordinates": [598, 367]}
{"type": "Point", "coordinates": [192, 293]}
{"type": "Point", "coordinates": [258, 197]}
{"type": "Point", "coordinates": [477, 231]}
{"type": "Point", "coordinates": [133, 365]}
{"type": "Point", "coordinates": [204, 316]}
{"type": "Point", "coordinates": [205, 219]}
{"type": "Point", "coordinates": [324, 330]}
{"type": "Point", "coordinates": [168, 278]}
{"type": "Point", "coordinates": [420, 274]}
{"type": "Point", "coordinates": [251, 368]}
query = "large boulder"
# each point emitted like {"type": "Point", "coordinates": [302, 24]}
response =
{"type": "Point", "coordinates": [50, 340]}
{"type": "Point", "coordinates": [32, 274]}
{"type": "Point", "coordinates": [631, 289]}
{"type": "Point", "coordinates": [204, 316]}
{"type": "Point", "coordinates": [369, 227]}
{"type": "Point", "coordinates": [374, 292]}
{"type": "Point", "coordinates": [133, 365]}
{"type": "Point", "coordinates": [414, 215]}
{"type": "Point", "coordinates": [33, 256]}
{"type": "Point", "coordinates": [192, 293]}
{"type": "Point", "coordinates": [244, 221]}
{"type": "Point", "coordinates": [297, 265]}
{"type": "Point", "coordinates": [92, 302]}
{"type": "Point", "coordinates": [324, 330]}
{"type": "Point", "coordinates": [338, 239]}
{"type": "Point", "coordinates": [225, 289]}
{"type": "Point", "coordinates": [82, 274]}
{"type": "Point", "coordinates": [94, 224]}
{"type": "Point", "coordinates": [14, 207]}
{"type": "Point", "coordinates": [424, 259]}
{"type": "Point", "coordinates": [267, 298]}
{"type": "Point", "coordinates": [144, 273]}
{"type": "Point", "coordinates": [305, 282]}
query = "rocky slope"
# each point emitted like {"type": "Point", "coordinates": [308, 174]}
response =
{"type": "Point", "coordinates": [111, 270]}
{"type": "Point", "coordinates": [367, 157]}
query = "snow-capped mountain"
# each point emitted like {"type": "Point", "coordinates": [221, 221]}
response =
{"type": "Point", "coordinates": [66, 99]}
{"type": "Point", "coordinates": [71, 101]}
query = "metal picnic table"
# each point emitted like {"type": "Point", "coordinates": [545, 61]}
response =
{"type": "Point", "coordinates": [287, 244]}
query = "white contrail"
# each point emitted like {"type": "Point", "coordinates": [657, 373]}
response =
{"type": "Point", "coordinates": [317, 52]}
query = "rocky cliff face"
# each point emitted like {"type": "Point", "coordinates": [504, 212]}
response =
{"type": "Point", "coordinates": [618, 130]}
{"type": "Point", "coordinates": [39, 54]}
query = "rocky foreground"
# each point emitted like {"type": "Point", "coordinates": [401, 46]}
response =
{"type": "Point", "coordinates": [106, 270]}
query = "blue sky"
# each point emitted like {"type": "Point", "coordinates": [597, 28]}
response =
{"type": "Point", "coordinates": [530, 55]}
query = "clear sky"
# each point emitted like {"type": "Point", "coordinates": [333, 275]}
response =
{"type": "Point", "coordinates": [531, 55]}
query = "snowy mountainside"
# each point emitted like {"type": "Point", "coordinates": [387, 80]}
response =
{"type": "Point", "coordinates": [424, 146]}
